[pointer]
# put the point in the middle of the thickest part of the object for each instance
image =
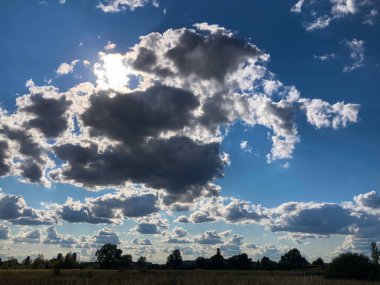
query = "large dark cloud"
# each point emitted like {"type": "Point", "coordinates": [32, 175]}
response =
{"type": "Point", "coordinates": [135, 116]}
{"type": "Point", "coordinates": [49, 115]}
{"type": "Point", "coordinates": [27, 145]}
{"type": "Point", "coordinates": [211, 56]}
{"type": "Point", "coordinates": [177, 164]}
{"type": "Point", "coordinates": [32, 166]}
{"type": "Point", "coordinates": [146, 60]}
{"type": "Point", "coordinates": [316, 218]}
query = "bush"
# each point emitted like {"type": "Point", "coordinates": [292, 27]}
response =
{"type": "Point", "coordinates": [351, 266]}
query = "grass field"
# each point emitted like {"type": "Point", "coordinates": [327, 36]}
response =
{"type": "Point", "coordinates": [153, 277]}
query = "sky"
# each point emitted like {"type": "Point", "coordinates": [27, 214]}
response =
{"type": "Point", "coordinates": [249, 126]}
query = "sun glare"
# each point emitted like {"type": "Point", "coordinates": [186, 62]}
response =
{"type": "Point", "coordinates": [112, 73]}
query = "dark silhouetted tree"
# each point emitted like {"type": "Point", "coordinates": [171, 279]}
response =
{"type": "Point", "coordinates": [375, 254]}
{"type": "Point", "coordinates": [240, 261]}
{"type": "Point", "coordinates": [351, 266]}
{"type": "Point", "coordinates": [217, 260]}
{"type": "Point", "coordinates": [39, 262]}
{"type": "Point", "coordinates": [201, 262]}
{"type": "Point", "coordinates": [293, 259]}
{"type": "Point", "coordinates": [318, 262]}
{"type": "Point", "coordinates": [267, 264]}
{"type": "Point", "coordinates": [126, 261]}
{"type": "Point", "coordinates": [141, 262]}
{"type": "Point", "coordinates": [174, 259]}
{"type": "Point", "coordinates": [27, 261]}
{"type": "Point", "coordinates": [108, 256]}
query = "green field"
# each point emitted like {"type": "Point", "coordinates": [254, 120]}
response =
{"type": "Point", "coordinates": [163, 277]}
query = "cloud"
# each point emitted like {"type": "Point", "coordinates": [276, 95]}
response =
{"type": "Point", "coordinates": [53, 237]}
{"type": "Point", "coordinates": [371, 18]}
{"type": "Point", "coordinates": [66, 68]}
{"type": "Point", "coordinates": [105, 235]}
{"type": "Point", "coordinates": [323, 15]}
{"type": "Point", "coordinates": [113, 6]}
{"type": "Point", "coordinates": [245, 147]}
{"type": "Point", "coordinates": [150, 225]}
{"type": "Point", "coordinates": [33, 236]}
{"type": "Point", "coordinates": [318, 218]}
{"type": "Point", "coordinates": [325, 57]}
{"type": "Point", "coordinates": [14, 210]}
{"type": "Point", "coordinates": [160, 126]}
{"type": "Point", "coordinates": [49, 114]}
{"type": "Point", "coordinates": [322, 114]}
{"type": "Point", "coordinates": [110, 46]}
{"type": "Point", "coordinates": [4, 167]}
{"type": "Point", "coordinates": [356, 54]}
{"type": "Point", "coordinates": [230, 210]}
{"type": "Point", "coordinates": [4, 232]}
{"type": "Point", "coordinates": [177, 235]}
{"type": "Point", "coordinates": [233, 245]}
{"type": "Point", "coordinates": [369, 200]}
{"type": "Point", "coordinates": [109, 208]}
{"type": "Point", "coordinates": [297, 8]}
{"type": "Point", "coordinates": [210, 237]}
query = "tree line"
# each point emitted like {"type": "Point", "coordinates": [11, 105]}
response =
{"type": "Point", "coordinates": [346, 265]}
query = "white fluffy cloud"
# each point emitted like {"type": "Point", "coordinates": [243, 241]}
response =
{"type": "Point", "coordinates": [113, 6]}
{"type": "Point", "coordinates": [66, 68]}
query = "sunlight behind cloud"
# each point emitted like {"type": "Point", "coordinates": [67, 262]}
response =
{"type": "Point", "coordinates": [112, 73]}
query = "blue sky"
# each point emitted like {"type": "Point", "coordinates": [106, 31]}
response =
{"type": "Point", "coordinates": [303, 74]}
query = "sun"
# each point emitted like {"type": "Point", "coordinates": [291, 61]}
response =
{"type": "Point", "coordinates": [112, 72]}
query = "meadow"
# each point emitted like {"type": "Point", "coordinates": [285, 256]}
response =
{"type": "Point", "coordinates": [167, 277]}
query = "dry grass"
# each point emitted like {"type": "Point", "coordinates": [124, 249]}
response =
{"type": "Point", "coordinates": [156, 277]}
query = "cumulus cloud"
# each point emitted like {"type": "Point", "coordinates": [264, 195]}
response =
{"type": "Point", "coordinates": [14, 209]}
{"type": "Point", "coordinates": [150, 225]}
{"type": "Point", "coordinates": [370, 200]}
{"type": "Point", "coordinates": [109, 208]}
{"type": "Point", "coordinates": [4, 232]}
{"type": "Point", "coordinates": [105, 235]}
{"type": "Point", "coordinates": [53, 237]}
{"type": "Point", "coordinates": [230, 210]}
{"type": "Point", "coordinates": [33, 236]}
{"type": "Point", "coordinates": [164, 132]}
{"type": "Point", "coordinates": [177, 235]}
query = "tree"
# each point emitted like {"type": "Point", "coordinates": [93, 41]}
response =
{"type": "Point", "coordinates": [375, 254]}
{"type": "Point", "coordinates": [267, 264]}
{"type": "Point", "coordinates": [174, 259]}
{"type": "Point", "coordinates": [217, 260]}
{"type": "Point", "coordinates": [201, 262]}
{"type": "Point", "coordinates": [126, 261]}
{"type": "Point", "coordinates": [70, 260]}
{"type": "Point", "coordinates": [351, 266]}
{"type": "Point", "coordinates": [293, 259]}
{"type": "Point", "coordinates": [141, 262]}
{"type": "Point", "coordinates": [39, 262]}
{"type": "Point", "coordinates": [318, 262]}
{"type": "Point", "coordinates": [27, 261]}
{"type": "Point", "coordinates": [240, 261]}
{"type": "Point", "coordinates": [108, 255]}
